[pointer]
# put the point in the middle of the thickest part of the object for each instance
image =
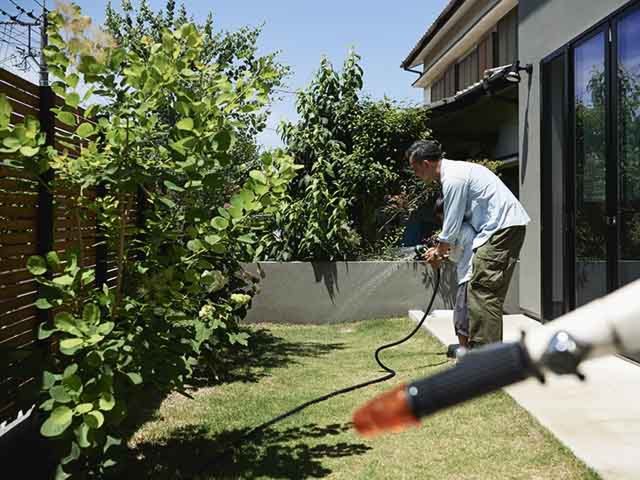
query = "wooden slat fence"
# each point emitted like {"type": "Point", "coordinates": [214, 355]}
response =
{"type": "Point", "coordinates": [34, 220]}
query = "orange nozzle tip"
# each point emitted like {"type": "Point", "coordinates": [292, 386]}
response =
{"type": "Point", "coordinates": [387, 412]}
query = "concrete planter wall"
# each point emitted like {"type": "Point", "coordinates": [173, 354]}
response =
{"type": "Point", "coordinates": [334, 292]}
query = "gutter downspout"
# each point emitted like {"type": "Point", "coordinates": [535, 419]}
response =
{"type": "Point", "coordinates": [406, 69]}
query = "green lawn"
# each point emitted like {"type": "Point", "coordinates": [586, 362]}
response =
{"type": "Point", "coordinates": [489, 438]}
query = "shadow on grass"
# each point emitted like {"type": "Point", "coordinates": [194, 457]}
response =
{"type": "Point", "coordinates": [292, 453]}
{"type": "Point", "coordinates": [243, 364]}
{"type": "Point", "coordinates": [264, 352]}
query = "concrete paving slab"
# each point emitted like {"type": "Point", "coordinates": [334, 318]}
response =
{"type": "Point", "coordinates": [599, 420]}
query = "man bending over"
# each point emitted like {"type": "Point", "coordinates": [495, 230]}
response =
{"type": "Point", "coordinates": [473, 194]}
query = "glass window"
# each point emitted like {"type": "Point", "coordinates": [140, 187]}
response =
{"type": "Point", "coordinates": [590, 165]}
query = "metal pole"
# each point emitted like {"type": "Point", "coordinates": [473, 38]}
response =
{"type": "Point", "coordinates": [45, 235]}
{"type": "Point", "coordinates": [44, 71]}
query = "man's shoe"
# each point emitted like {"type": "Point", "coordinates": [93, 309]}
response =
{"type": "Point", "coordinates": [452, 349]}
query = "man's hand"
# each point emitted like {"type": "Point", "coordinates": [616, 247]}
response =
{"type": "Point", "coordinates": [436, 255]}
{"type": "Point", "coordinates": [433, 258]}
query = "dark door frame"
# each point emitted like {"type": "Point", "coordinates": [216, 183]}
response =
{"type": "Point", "coordinates": [546, 198]}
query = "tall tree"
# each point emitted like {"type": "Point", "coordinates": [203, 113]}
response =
{"type": "Point", "coordinates": [235, 53]}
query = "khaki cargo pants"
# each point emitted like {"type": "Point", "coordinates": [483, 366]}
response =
{"type": "Point", "coordinates": [493, 265]}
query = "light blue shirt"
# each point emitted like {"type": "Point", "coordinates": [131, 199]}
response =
{"type": "Point", "coordinates": [462, 253]}
{"type": "Point", "coordinates": [474, 194]}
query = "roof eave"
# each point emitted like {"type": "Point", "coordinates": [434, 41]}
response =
{"type": "Point", "coordinates": [451, 8]}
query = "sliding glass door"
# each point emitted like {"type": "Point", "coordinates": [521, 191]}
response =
{"type": "Point", "coordinates": [590, 129]}
{"type": "Point", "coordinates": [626, 63]}
{"type": "Point", "coordinates": [628, 148]}
{"type": "Point", "coordinates": [590, 101]}
{"type": "Point", "coordinates": [575, 168]}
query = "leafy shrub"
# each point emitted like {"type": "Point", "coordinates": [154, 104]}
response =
{"type": "Point", "coordinates": [352, 152]}
{"type": "Point", "coordinates": [162, 132]}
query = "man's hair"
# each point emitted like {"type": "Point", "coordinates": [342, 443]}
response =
{"type": "Point", "coordinates": [429, 150]}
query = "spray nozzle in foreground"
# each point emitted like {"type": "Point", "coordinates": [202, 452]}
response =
{"type": "Point", "coordinates": [479, 371]}
{"type": "Point", "coordinates": [387, 412]}
{"type": "Point", "coordinates": [603, 327]}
